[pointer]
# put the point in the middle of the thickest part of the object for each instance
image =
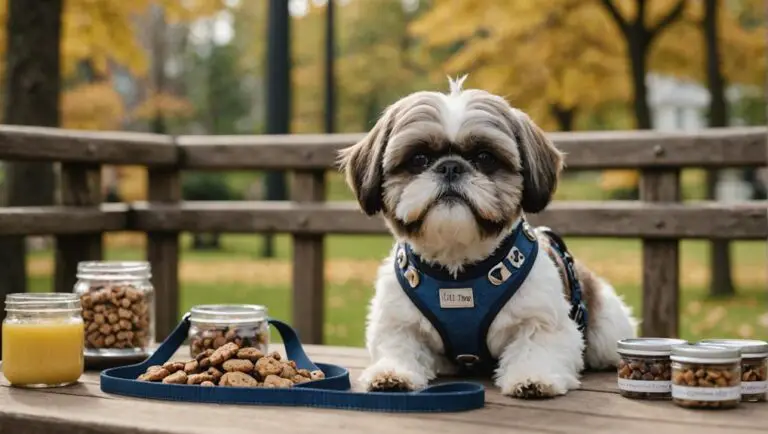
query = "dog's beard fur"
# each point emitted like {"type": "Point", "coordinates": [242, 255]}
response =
{"type": "Point", "coordinates": [461, 222]}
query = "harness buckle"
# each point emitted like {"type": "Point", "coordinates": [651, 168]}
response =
{"type": "Point", "coordinates": [467, 359]}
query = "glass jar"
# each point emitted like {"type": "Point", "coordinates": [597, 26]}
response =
{"type": "Point", "coordinates": [118, 307]}
{"type": "Point", "coordinates": [42, 340]}
{"type": "Point", "coordinates": [754, 366]}
{"type": "Point", "coordinates": [644, 370]}
{"type": "Point", "coordinates": [214, 325]}
{"type": "Point", "coordinates": [706, 376]}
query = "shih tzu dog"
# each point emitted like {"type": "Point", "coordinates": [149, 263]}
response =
{"type": "Point", "coordinates": [469, 286]}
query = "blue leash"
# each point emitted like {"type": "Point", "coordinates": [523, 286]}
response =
{"type": "Point", "coordinates": [331, 392]}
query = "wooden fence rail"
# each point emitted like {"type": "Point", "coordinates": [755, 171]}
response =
{"type": "Point", "coordinates": [660, 219]}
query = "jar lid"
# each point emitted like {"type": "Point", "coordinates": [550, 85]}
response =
{"type": "Point", "coordinates": [748, 347]}
{"type": "Point", "coordinates": [228, 313]}
{"type": "Point", "coordinates": [113, 270]}
{"type": "Point", "coordinates": [697, 353]}
{"type": "Point", "coordinates": [648, 346]}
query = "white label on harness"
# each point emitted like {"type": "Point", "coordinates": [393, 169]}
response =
{"type": "Point", "coordinates": [451, 298]}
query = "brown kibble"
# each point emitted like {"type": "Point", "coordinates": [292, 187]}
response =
{"type": "Point", "coordinates": [178, 377]}
{"type": "Point", "coordinates": [124, 313]}
{"type": "Point", "coordinates": [273, 381]}
{"type": "Point", "coordinates": [204, 354]}
{"type": "Point", "coordinates": [99, 308]}
{"type": "Point", "coordinates": [105, 329]}
{"type": "Point", "coordinates": [304, 373]}
{"type": "Point", "coordinates": [125, 324]}
{"type": "Point", "coordinates": [238, 379]}
{"type": "Point", "coordinates": [317, 375]}
{"type": "Point", "coordinates": [112, 318]}
{"type": "Point", "coordinates": [156, 374]}
{"type": "Point", "coordinates": [288, 371]}
{"type": "Point", "coordinates": [250, 353]}
{"type": "Point", "coordinates": [207, 384]}
{"type": "Point", "coordinates": [109, 340]}
{"type": "Point", "coordinates": [132, 294]}
{"type": "Point", "coordinates": [267, 366]}
{"type": "Point", "coordinates": [223, 353]}
{"type": "Point", "coordinates": [92, 327]}
{"type": "Point", "coordinates": [238, 365]}
{"type": "Point", "coordinates": [215, 373]}
{"type": "Point", "coordinates": [115, 328]}
{"type": "Point", "coordinates": [88, 315]}
{"type": "Point", "coordinates": [191, 367]}
{"type": "Point", "coordinates": [99, 318]}
{"type": "Point", "coordinates": [199, 378]}
{"type": "Point", "coordinates": [205, 363]}
{"type": "Point", "coordinates": [173, 366]}
{"type": "Point", "coordinates": [125, 303]}
{"type": "Point", "coordinates": [298, 379]}
{"type": "Point", "coordinates": [275, 355]}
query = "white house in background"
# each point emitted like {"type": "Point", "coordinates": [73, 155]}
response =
{"type": "Point", "coordinates": [679, 105]}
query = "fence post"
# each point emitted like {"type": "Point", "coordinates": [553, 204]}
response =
{"type": "Point", "coordinates": [80, 185]}
{"type": "Point", "coordinates": [308, 263]}
{"type": "Point", "coordinates": [661, 260]}
{"type": "Point", "coordinates": [163, 252]}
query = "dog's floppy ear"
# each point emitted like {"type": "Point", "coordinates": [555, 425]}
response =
{"type": "Point", "coordinates": [362, 164]}
{"type": "Point", "coordinates": [542, 163]}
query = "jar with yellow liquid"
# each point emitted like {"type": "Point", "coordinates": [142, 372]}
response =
{"type": "Point", "coordinates": [42, 340]}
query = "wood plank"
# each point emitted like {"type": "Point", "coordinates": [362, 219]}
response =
{"type": "Point", "coordinates": [104, 147]}
{"type": "Point", "coordinates": [723, 147]}
{"type": "Point", "coordinates": [308, 263]}
{"type": "Point", "coordinates": [163, 253]}
{"type": "Point", "coordinates": [44, 220]}
{"type": "Point", "coordinates": [81, 187]}
{"type": "Point", "coordinates": [623, 219]}
{"type": "Point", "coordinates": [661, 262]}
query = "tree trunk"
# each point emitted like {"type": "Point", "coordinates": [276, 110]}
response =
{"type": "Point", "coordinates": [32, 98]}
{"type": "Point", "coordinates": [278, 96]}
{"type": "Point", "coordinates": [638, 58]}
{"type": "Point", "coordinates": [564, 117]}
{"type": "Point", "coordinates": [330, 84]}
{"type": "Point", "coordinates": [719, 255]}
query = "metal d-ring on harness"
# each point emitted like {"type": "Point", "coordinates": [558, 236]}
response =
{"type": "Point", "coordinates": [461, 308]}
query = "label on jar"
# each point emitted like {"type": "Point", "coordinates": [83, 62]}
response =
{"type": "Point", "coordinates": [754, 387]}
{"type": "Point", "coordinates": [707, 393]}
{"type": "Point", "coordinates": [644, 386]}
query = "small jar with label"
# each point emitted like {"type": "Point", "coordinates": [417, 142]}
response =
{"type": "Point", "coordinates": [706, 376]}
{"type": "Point", "coordinates": [118, 307]}
{"type": "Point", "coordinates": [214, 325]}
{"type": "Point", "coordinates": [42, 340]}
{"type": "Point", "coordinates": [754, 366]}
{"type": "Point", "coordinates": [644, 370]}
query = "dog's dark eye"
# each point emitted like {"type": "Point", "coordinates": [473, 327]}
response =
{"type": "Point", "coordinates": [418, 162]}
{"type": "Point", "coordinates": [485, 162]}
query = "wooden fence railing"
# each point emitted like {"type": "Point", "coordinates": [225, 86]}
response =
{"type": "Point", "coordinates": [660, 219]}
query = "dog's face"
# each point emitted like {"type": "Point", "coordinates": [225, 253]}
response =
{"type": "Point", "coordinates": [452, 172]}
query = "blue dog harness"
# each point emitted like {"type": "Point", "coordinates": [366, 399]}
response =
{"type": "Point", "coordinates": [462, 308]}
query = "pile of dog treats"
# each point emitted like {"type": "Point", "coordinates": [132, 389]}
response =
{"type": "Point", "coordinates": [231, 365]}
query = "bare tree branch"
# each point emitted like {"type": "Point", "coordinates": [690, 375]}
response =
{"type": "Point", "coordinates": [670, 18]}
{"type": "Point", "coordinates": [620, 21]}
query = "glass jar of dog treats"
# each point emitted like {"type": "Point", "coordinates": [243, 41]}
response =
{"type": "Point", "coordinates": [754, 366]}
{"type": "Point", "coordinates": [214, 325]}
{"type": "Point", "coordinates": [706, 376]}
{"type": "Point", "coordinates": [644, 370]}
{"type": "Point", "coordinates": [118, 307]}
{"type": "Point", "coordinates": [42, 340]}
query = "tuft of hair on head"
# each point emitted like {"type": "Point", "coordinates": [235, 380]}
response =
{"type": "Point", "coordinates": [455, 85]}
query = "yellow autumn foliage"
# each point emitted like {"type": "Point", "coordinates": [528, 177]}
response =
{"type": "Point", "coordinates": [163, 103]}
{"type": "Point", "coordinates": [92, 107]}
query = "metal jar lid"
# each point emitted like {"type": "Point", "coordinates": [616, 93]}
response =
{"type": "Point", "coordinates": [698, 353]}
{"type": "Point", "coordinates": [750, 348]}
{"type": "Point", "coordinates": [648, 346]}
{"type": "Point", "coordinates": [228, 313]}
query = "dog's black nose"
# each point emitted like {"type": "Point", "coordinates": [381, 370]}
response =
{"type": "Point", "coordinates": [451, 170]}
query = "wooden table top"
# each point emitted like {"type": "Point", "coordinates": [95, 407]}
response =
{"type": "Point", "coordinates": [596, 407]}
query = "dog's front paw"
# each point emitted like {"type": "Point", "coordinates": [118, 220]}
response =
{"type": "Point", "coordinates": [387, 377]}
{"type": "Point", "coordinates": [537, 387]}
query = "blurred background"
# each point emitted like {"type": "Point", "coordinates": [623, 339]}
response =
{"type": "Point", "coordinates": [261, 66]}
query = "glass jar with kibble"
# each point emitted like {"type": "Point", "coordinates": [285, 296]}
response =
{"type": "Point", "coordinates": [706, 376]}
{"type": "Point", "coordinates": [644, 370]}
{"type": "Point", "coordinates": [754, 366]}
{"type": "Point", "coordinates": [118, 304]}
{"type": "Point", "coordinates": [214, 325]}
